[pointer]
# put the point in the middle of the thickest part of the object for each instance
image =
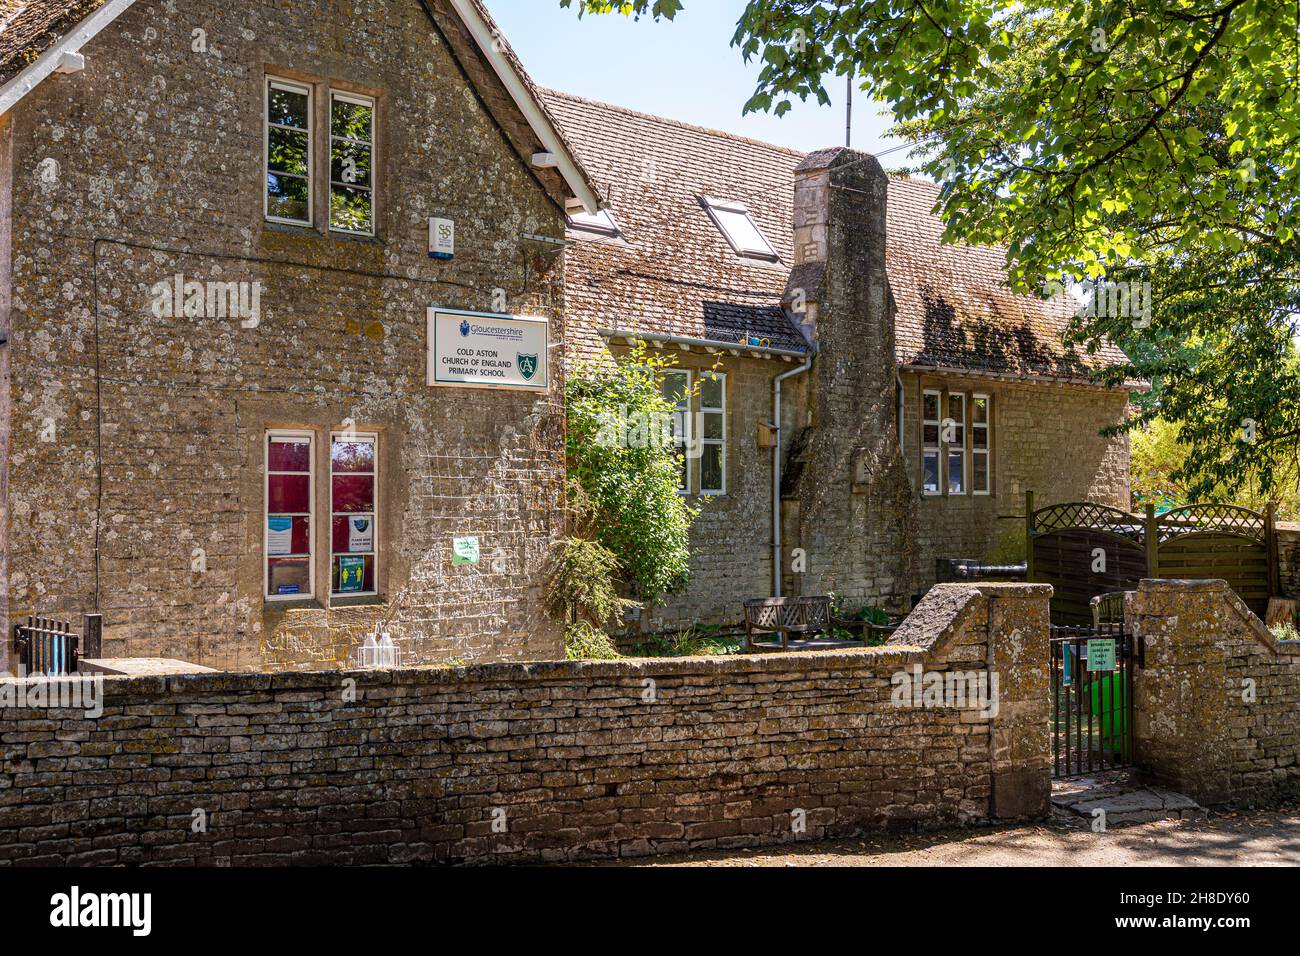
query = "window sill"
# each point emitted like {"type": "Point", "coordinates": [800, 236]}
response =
{"type": "Point", "coordinates": [295, 604]}
{"type": "Point", "coordinates": [355, 237]}
{"type": "Point", "coordinates": [291, 229]}
{"type": "Point", "coordinates": [364, 600]}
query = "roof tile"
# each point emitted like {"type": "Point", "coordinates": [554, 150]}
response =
{"type": "Point", "coordinates": [673, 273]}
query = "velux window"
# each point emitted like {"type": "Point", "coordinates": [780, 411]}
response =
{"type": "Point", "coordinates": [288, 152]}
{"type": "Point", "coordinates": [736, 224]}
{"type": "Point", "coordinates": [352, 161]}
{"type": "Point", "coordinates": [288, 545]}
{"type": "Point", "coordinates": [600, 223]}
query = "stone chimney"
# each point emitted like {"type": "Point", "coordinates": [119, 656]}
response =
{"type": "Point", "coordinates": [853, 510]}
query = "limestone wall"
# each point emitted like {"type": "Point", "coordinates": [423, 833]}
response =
{"type": "Point", "coordinates": [1217, 705]}
{"type": "Point", "coordinates": [136, 465]}
{"type": "Point", "coordinates": [543, 761]}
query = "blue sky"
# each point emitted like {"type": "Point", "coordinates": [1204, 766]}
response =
{"type": "Point", "coordinates": [685, 69]}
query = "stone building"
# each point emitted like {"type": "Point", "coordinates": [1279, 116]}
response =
{"type": "Point", "coordinates": [226, 420]}
{"type": "Point", "coordinates": [918, 397]}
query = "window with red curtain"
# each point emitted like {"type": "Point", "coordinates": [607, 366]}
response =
{"type": "Point", "coordinates": [288, 528]}
{"type": "Point", "coordinates": [354, 508]}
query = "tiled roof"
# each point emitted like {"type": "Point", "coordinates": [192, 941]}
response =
{"type": "Point", "coordinates": [673, 273]}
{"type": "Point", "coordinates": [30, 27]}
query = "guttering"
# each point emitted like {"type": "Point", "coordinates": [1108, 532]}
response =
{"type": "Point", "coordinates": [776, 470]}
{"type": "Point", "coordinates": [492, 47]}
{"type": "Point", "coordinates": [64, 56]}
{"type": "Point", "coordinates": [1025, 377]}
{"type": "Point", "coordinates": [688, 344]}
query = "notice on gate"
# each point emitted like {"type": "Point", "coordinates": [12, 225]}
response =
{"type": "Point", "coordinates": [1101, 655]}
{"type": "Point", "coordinates": [482, 350]}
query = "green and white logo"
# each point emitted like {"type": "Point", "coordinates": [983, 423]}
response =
{"type": "Point", "coordinates": [527, 366]}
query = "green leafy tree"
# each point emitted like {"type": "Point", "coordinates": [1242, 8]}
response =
{"type": "Point", "coordinates": [1158, 463]}
{"type": "Point", "coordinates": [1135, 142]}
{"type": "Point", "coordinates": [624, 467]}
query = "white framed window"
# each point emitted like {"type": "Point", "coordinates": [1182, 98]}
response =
{"type": "Point", "coordinates": [954, 438]}
{"type": "Point", "coordinates": [288, 534]}
{"type": "Point", "coordinates": [676, 390]}
{"type": "Point", "coordinates": [600, 223]}
{"type": "Point", "coordinates": [981, 445]}
{"type": "Point", "coordinates": [713, 433]}
{"type": "Point", "coordinates": [352, 163]}
{"type": "Point", "coordinates": [740, 230]}
{"type": "Point", "coordinates": [931, 448]}
{"type": "Point", "coordinates": [354, 514]}
{"type": "Point", "coordinates": [288, 152]}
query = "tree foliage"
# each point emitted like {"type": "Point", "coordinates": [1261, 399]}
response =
{"type": "Point", "coordinates": [627, 472]}
{"type": "Point", "coordinates": [1144, 140]}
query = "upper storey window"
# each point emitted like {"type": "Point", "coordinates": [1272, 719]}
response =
{"type": "Point", "coordinates": [736, 224]}
{"type": "Point", "coordinates": [352, 160]}
{"type": "Point", "coordinates": [288, 152]}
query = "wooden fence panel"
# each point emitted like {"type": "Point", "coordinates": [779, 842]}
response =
{"type": "Point", "coordinates": [1242, 562]}
{"type": "Point", "coordinates": [1065, 559]}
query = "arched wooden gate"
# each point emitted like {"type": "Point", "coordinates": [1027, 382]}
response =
{"type": "Point", "coordinates": [1083, 549]}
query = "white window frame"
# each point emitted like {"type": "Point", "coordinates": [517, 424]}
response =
{"type": "Point", "coordinates": [374, 515]}
{"type": "Point", "coordinates": [600, 223]}
{"type": "Point", "coordinates": [292, 87]}
{"type": "Point", "coordinates": [357, 99]}
{"type": "Point", "coordinates": [714, 206]}
{"type": "Point", "coordinates": [295, 436]}
{"type": "Point", "coordinates": [959, 448]}
{"type": "Point", "coordinates": [987, 451]}
{"type": "Point", "coordinates": [721, 443]}
{"type": "Point", "coordinates": [683, 408]}
{"type": "Point", "coordinates": [935, 449]}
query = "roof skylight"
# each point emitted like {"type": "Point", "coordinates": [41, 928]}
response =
{"type": "Point", "coordinates": [600, 223]}
{"type": "Point", "coordinates": [740, 230]}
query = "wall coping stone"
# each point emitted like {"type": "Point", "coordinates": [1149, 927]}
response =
{"type": "Point", "coordinates": [888, 657]}
{"type": "Point", "coordinates": [947, 607]}
{"type": "Point", "coordinates": [1257, 628]}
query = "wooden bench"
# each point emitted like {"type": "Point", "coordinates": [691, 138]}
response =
{"type": "Point", "coordinates": [800, 616]}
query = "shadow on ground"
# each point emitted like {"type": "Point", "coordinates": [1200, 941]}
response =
{"type": "Point", "coordinates": [1225, 838]}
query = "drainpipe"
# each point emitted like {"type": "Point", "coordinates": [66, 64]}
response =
{"type": "Point", "coordinates": [898, 381]}
{"type": "Point", "coordinates": [776, 471]}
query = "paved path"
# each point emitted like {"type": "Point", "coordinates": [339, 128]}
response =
{"type": "Point", "coordinates": [1255, 838]}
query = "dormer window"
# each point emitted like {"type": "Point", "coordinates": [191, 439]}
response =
{"type": "Point", "coordinates": [600, 223]}
{"type": "Point", "coordinates": [735, 222]}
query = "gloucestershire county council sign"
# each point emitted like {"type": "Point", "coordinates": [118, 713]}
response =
{"type": "Point", "coordinates": [481, 350]}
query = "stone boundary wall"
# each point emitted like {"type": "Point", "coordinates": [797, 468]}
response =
{"type": "Point", "coordinates": [1288, 557]}
{"type": "Point", "coordinates": [536, 762]}
{"type": "Point", "coordinates": [1217, 706]}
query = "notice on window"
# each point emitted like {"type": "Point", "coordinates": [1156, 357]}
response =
{"type": "Point", "coordinates": [464, 551]}
{"type": "Point", "coordinates": [361, 533]}
{"type": "Point", "coordinates": [279, 536]}
{"type": "Point", "coordinates": [481, 350]}
{"type": "Point", "coordinates": [352, 575]}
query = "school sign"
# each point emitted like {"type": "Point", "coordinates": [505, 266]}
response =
{"type": "Point", "coordinates": [484, 350]}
